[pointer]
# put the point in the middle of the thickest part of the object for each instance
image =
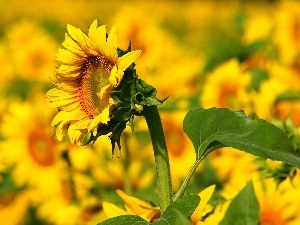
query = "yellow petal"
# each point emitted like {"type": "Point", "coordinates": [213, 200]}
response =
{"type": "Point", "coordinates": [71, 106]}
{"type": "Point", "coordinates": [100, 39]}
{"type": "Point", "coordinates": [103, 90]}
{"type": "Point", "coordinates": [112, 38]}
{"type": "Point", "coordinates": [111, 210]}
{"type": "Point", "coordinates": [103, 118]}
{"type": "Point", "coordinates": [205, 195]}
{"type": "Point", "coordinates": [85, 43]}
{"type": "Point", "coordinates": [126, 60]}
{"type": "Point", "coordinates": [135, 205]}
{"type": "Point", "coordinates": [82, 124]}
{"type": "Point", "coordinates": [72, 46]}
{"type": "Point", "coordinates": [61, 131]}
{"type": "Point", "coordinates": [59, 94]}
{"type": "Point", "coordinates": [73, 31]}
{"type": "Point", "coordinates": [113, 77]}
{"type": "Point", "coordinates": [111, 46]}
{"type": "Point", "coordinates": [92, 29]}
{"type": "Point", "coordinates": [67, 57]}
{"type": "Point", "coordinates": [70, 86]}
{"type": "Point", "coordinates": [74, 134]}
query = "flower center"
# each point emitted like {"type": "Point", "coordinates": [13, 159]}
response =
{"type": "Point", "coordinates": [270, 217]}
{"type": "Point", "coordinates": [41, 147]}
{"type": "Point", "coordinates": [95, 76]}
{"type": "Point", "coordinates": [228, 96]}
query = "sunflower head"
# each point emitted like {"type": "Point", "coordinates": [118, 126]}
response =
{"type": "Point", "coordinates": [97, 90]}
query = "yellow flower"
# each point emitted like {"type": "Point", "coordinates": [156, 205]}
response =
{"type": "Point", "coordinates": [227, 87]}
{"type": "Point", "coordinates": [145, 34]}
{"type": "Point", "coordinates": [13, 207]}
{"type": "Point", "coordinates": [286, 37]}
{"type": "Point", "coordinates": [258, 25]}
{"type": "Point", "coordinates": [133, 206]}
{"type": "Point", "coordinates": [286, 109]}
{"type": "Point", "coordinates": [60, 208]}
{"type": "Point", "coordinates": [90, 69]}
{"type": "Point", "coordinates": [279, 205]}
{"type": "Point", "coordinates": [31, 51]}
{"type": "Point", "coordinates": [29, 149]}
{"type": "Point", "coordinates": [6, 72]}
{"type": "Point", "coordinates": [264, 99]}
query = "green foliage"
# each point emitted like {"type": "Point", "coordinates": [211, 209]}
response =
{"type": "Point", "coordinates": [177, 213]}
{"type": "Point", "coordinates": [186, 205]}
{"type": "Point", "coordinates": [279, 174]}
{"type": "Point", "coordinates": [244, 208]}
{"type": "Point", "coordinates": [125, 220]}
{"type": "Point", "coordinates": [213, 128]}
{"type": "Point", "coordinates": [258, 76]}
{"type": "Point", "coordinates": [287, 96]}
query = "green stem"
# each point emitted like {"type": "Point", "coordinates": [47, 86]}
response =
{"type": "Point", "coordinates": [185, 183]}
{"type": "Point", "coordinates": [126, 165]}
{"type": "Point", "coordinates": [164, 186]}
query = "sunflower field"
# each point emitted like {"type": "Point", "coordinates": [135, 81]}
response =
{"type": "Point", "coordinates": [75, 148]}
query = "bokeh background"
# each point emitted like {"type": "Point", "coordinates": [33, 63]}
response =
{"type": "Point", "coordinates": [242, 55]}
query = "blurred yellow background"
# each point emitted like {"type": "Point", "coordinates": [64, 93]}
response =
{"type": "Point", "coordinates": [242, 55]}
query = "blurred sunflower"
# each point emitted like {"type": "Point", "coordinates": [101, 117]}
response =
{"type": "Point", "coordinates": [222, 161]}
{"type": "Point", "coordinates": [28, 148]}
{"type": "Point", "coordinates": [287, 33]}
{"type": "Point", "coordinates": [6, 72]}
{"type": "Point", "coordinates": [279, 205]}
{"type": "Point", "coordinates": [61, 208]}
{"type": "Point", "coordinates": [147, 35]}
{"type": "Point", "coordinates": [31, 50]}
{"type": "Point", "coordinates": [90, 69]}
{"type": "Point", "coordinates": [226, 87]}
{"type": "Point", "coordinates": [263, 101]}
{"type": "Point", "coordinates": [13, 207]}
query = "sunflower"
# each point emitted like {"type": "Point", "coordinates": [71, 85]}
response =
{"type": "Point", "coordinates": [31, 153]}
{"type": "Point", "coordinates": [90, 69]}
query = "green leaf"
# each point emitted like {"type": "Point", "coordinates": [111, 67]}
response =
{"type": "Point", "coordinates": [177, 219]}
{"type": "Point", "coordinates": [244, 208]}
{"type": "Point", "coordinates": [179, 211]}
{"type": "Point", "coordinates": [210, 129]}
{"type": "Point", "coordinates": [125, 220]}
{"type": "Point", "coordinates": [287, 96]}
{"type": "Point", "coordinates": [186, 205]}
{"type": "Point", "coordinates": [258, 76]}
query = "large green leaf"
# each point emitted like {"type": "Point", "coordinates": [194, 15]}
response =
{"type": "Point", "coordinates": [244, 208]}
{"type": "Point", "coordinates": [125, 220]}
{"type": "Point", "coordinates": [209, 129]}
